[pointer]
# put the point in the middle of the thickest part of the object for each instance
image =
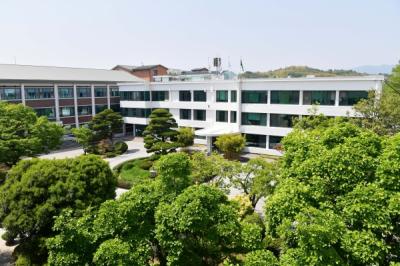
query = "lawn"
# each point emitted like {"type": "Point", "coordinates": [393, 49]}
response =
{"type": "Point", "coordinates": [133, 172]}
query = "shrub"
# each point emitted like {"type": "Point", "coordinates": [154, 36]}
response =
{"type": "Point", "coordinates": [231, 145]}
{"type": "Point", "coordinates": [185, 136]}
{"type": "Point", "coordinates": [146, 164]}
{"type": "Point", "coordinates": [120, 147]}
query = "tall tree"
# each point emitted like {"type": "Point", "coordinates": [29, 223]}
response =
{"type": "Point", "coordinates": [37, 190]}
{"type": "Point", "coordinates": [381, 113]}
{"type": "Point", "coordinates": [22, 133]}
{"type": "Point", "coordinates": [160, 136]}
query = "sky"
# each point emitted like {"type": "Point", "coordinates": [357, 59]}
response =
{"type": "Point", "coordinates": [265, 34]}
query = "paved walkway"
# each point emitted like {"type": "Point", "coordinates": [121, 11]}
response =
{"type": "Point", "coordinates": [135, 150]}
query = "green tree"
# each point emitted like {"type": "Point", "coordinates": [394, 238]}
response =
{"type": "Point", "coordinates": [185, 136]}
{"type": "Point", "coordinates": [38, 190]}
{"type": "Point", "coordinates": [231, 145]}
{"type": "Point", "coordinates": [24, 134]}
{"type": "Point", "coordinates": [198, 227]}
{"type": "Point", "coordinates": [160, 135]}
{"type": "Point", "coordinates": [84, 136]}
{"type": "Point", "coordinates": [260, 258]}
{"type": "Point", "coordinates": [257, 178]}
{"type": "Point", "coordinates": [381, 112]}
{"type": "Point", "coordinates": [335, 202]}
{"type": "Point", "coordinates": [205, 168]}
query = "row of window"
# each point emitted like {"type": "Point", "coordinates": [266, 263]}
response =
{"type": "Point", "coordinates": [66, 111]}
{"type": "Point", "coordinates": [47, 92]}
{"type": "Point", "coordinates": [346, 98]}
{"type": "Point", "coordinates": [260, 141]}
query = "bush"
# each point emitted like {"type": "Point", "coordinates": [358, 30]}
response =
{"type": "Point", "coordinates": [231, 145]}
{"type": "Point", "coordinates": [146, 164]}
{"type": "Point", "coordinates": [120, 147]}
{"type": "Point", "coordinates": [185, 136]}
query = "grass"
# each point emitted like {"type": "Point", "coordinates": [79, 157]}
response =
{"type": "Point", "coordinates": [133, 172]}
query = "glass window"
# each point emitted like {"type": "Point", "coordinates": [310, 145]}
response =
{"type": "Point", "coordinates": [135, 95]}
{"type": "Point", "coordinates": [275, 142]}
{"type": "Point", "coordinates": [185, 114]}
{"type": "Point", "coordinates": [65, 92]}
{"type": "Point", "coordinates": [233, 117]}
{"type": "Point", "coordinates": [48, 112]}
{"type": "Point", "coordinates": [200, 96]}
{"type": "Point", "coordinates": [136, 112]}
{"type": "Point", "coordinates": [99, 108]}
{"type": "Point", "coordinates": [114, 91]}
{"type": "Point", "coordinates": [233, 96]}
{"type": "Point", "coordinates": [254, 140]}
{"type": "Point", "coordinates": [10, 92]}
{"type": "Point", "coordinates": [199, 115]}
{"type": "Point", "coordinates": [222, 96]}
{"type": "Point", "coordinates": [221, 116]}
{"type": "Point", "coordinates": [349, 98]}
{"type": "Point", "coordinates": [256, 119]}
{"type": "Point", "coordinates": [67, 111]}
{"type": "Point", "coordinates": [83, 91]}
{"type": "Point", "coordinates": [285, 97]}
{"type": "Point", "coordinates": [115, 107]}
{"type": "Point", "coordinates": [100, 91]}
{"type": "Point", "coordinates": [254, 96]}
{"type": "Point", "coordinates": [160, 95]}
{"type": "Point", "coordinates": [85, 110]}
{"type": "Point", "coordinates": [185, 96]}
{"type": "Point", "coordinates": [319, 97]}
{"type": "Point", "coordinates": [282, 120]}
{"type": "Point", "coordinates": [33, 92]}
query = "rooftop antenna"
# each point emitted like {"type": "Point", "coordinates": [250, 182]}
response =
{"type": "Point", "coordinates": [15, 60]}
{"type": "Point", "coordinates": [229, 63]}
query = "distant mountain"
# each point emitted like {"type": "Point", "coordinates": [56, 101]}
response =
{"type": "Point", "coordinates": [374, 69]}
{"type": "Point", "coordinates": [300, 71]}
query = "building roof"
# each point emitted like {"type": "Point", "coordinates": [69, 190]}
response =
{"type": "Point", "coordinates": [51, 73]}
{"type": "Point", "coordinates": [134, 68]}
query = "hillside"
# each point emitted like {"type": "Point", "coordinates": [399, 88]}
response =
{"type": "Point", "coordinates": [300, 71]}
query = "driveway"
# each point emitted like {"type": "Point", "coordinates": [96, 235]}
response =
{"type": "Point", "coordinates": [135, 150]}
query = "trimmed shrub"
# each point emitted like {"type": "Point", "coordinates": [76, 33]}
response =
{"type": "Point", "coordinates": [120, 147]}
{"type": "Point", "coordinates": [231, 145]}
{"type": "Point", "coordinates": [146, 164]}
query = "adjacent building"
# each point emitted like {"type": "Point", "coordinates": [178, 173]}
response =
{"type": "Point", "coordinates": [68, 95]}
{"type": "Point", "coordinates": [262, 109]}
{"type": "Point", "coordinates": [146, 72]}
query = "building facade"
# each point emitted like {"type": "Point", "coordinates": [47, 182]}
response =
{"type": "Point", "coordinates": [71, 96]}
{"type": "Point", "coordinates": [262, 109]}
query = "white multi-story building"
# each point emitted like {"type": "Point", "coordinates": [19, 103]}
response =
{"type": "Point", "coordinates": [263, 109]}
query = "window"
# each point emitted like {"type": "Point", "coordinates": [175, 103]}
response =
{"type": "Point", "coordinates": [319, 97]}
{"type": "Point", "coordinates": [222, 96]}
{"type": "Point", "coordinates": [254, 119]}
{"type": "Point", "coordinates": [282, 120]}
{"type": "Point", "coordinates": [100, 91]}
{"type": "Point", "coordinates": [155, 72]}
{"type": "Point", "coordinates": [185, 96]}
{"type": "Point", "coordinates": [65, 92]}
{"type": "Point", "coordinates": [233, 96]}
{"type": "Point", "coordinates": [114, 91]}
{"type": "Point", "coordinates": [275, 142]}
{"type": "Point", "coordinates": [10, 92]}
{"type": "Point", "coordinates": [200, 96]}
{"type": "Point", "coordinates": [136, 112]}
{"type": "Point", "coordinates": [99, 108]}
{"type": "Point", "coordinates": [185, 114]}
{"type": "Point", "coordinates": [254, 140]}
{"type": "Point", "coordinates": [67, 111]}
{"type": "Point", "coordinates": [199, 115]}
{"type": "Point", "coordinates": [160, 95]}
{"type": "Point", "coordinates": [135, 95]}
{"type": "Point", "coordinates": [254, 96]}
{"type": "Point", "coordinates": [221, 116]}
{"type": "Point", "coordinates": [349, 98]}
{"type": "Point", "coordinates": [285, 97]}
{"type": "Point", "coordinates": [32, 92]}
{"type": "Point", "coordinates": [84, 91]}
{"type": "Point", "coordinates": [85, 110]}
{"type": "Point", "coordinates": [115, 107]}
{"type": "Point", "coordinates": [48, 112]}
{"type": "Point", "coordinates": [233, 117]}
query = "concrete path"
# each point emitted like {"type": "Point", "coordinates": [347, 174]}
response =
{"type": "Point", "coordinates": [5, 251]}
